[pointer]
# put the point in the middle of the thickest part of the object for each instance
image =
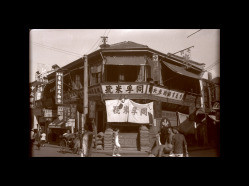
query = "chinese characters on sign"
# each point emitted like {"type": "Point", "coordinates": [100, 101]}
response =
{"type": "Point", "coordinates": [124, 89]}
{"type": "Point", "coordinates": [142, 89]}
{"type": "Point", "coordinates": [128, 111]}
{"type": "Point", "coordinates": [165, 93]}
{"type": "Point", "coordinates": [59, 88]}
{"type": "Point", "coordinates": [60, 111]}
{"type": "Point", "coordinates": [50, 113]}
{"type": "Point", "coordinates": [32, 96]}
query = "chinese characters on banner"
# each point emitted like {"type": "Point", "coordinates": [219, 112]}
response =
{"type": "Point", "coordinates": [142, 89]}
{"type": "Point", "coordinates": [128, 111]}
{"type": "Point", "coordinates": [165, 93]}
{"type": "Point", "coordinates": [139, 113]}
{"type": "Point", "coordinates": [117, 111]}
{"type": "Point", "coordinates": [124, 89]}
{"type": "Point", "coordinates": [59, 88]}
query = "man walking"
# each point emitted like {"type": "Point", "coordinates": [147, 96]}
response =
{"type": "Point", "coordinates": [179, 144]}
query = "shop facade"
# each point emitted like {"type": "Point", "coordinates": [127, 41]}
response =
{"type": "Point", "coordinates": [134, 72]}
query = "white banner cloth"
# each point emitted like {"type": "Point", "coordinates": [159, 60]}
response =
{"type": "Point", "coordinates": [139, 113]}
{"type": "Point", "coordinates": [117, 111]}
{"type": "Point", "coordinates": [128, 111]}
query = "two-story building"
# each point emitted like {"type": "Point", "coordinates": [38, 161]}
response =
{"type": "Point", "coordinates": [127, 70]}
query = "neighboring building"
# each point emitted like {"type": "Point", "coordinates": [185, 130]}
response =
{"type": "Point", "coordinates": [127, 70]}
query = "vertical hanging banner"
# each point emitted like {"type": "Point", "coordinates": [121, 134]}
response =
{"type": "Point", "coordinates": [139, 113]}
{"type": "Point", "coordinates": [59, 88]}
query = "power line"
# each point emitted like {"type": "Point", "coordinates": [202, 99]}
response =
{"type": "Point", "coordinates": [108, 33]}
{"type": "Point", "coordinates": [57, 49]}
{"type": "Point", "coordinates": [194, 33]}
{"type": "Point", "coordinates": [105, 32]}
{"type": "Point", "coordinates": [212, 65]}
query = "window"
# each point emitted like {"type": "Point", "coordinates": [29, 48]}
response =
{"type": "Point", "coordinates": [96, 78]}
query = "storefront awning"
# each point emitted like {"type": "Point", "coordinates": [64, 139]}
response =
{"type": "Point", "coordinates": [181, 70]}
{"type": "Point", "coordinates": [126, 60]}
{"type": "Point", "coordinates": [57, 123]}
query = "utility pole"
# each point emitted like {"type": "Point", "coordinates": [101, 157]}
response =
{"type": "Point", "coordinates": [85, 100]}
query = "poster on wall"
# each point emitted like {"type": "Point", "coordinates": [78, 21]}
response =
{"type": "Point", "coordinates": [59, 88]}
{"type": "Point", "coordinates": [129, 111]}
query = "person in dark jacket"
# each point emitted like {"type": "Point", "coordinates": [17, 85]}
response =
{"type": "Point", "coordinates": [179, 144]}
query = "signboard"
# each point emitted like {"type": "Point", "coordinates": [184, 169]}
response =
{"type": "Point", "coordinates": [165, 93]}
{"type": "Point", "coordinates": [60, 111]}
{"type": "Point", "coordinates": [171, 116]}
{"type": "Point", "coordinates": [70, 123]}
{"type": "Point", "coordinates": [124, 89]}
{"type": "Point", "coordinates": [128, 111]}
{"type": "Point", "coordinates": [66, 113]}
{"type": "Point", "coordinates": [32, 96]}
{"type": "Point", "coordinates": [73, 109]}
{"type": "Point", "coordinates": [59, 88]}
{"type": "Point", "coordinates": [92, 109]}
{"type": "Point", "coordinates": [50, 113]}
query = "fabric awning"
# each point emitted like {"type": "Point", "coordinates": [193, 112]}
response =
{"type": "Point", "coordinates": [126, 60]}
{"type": "Point", "coordinates": [57, 123]}
{"type": "Point", "coordinates": [181, 70]}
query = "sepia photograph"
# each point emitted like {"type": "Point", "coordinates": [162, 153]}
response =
{"type": "Point", "coordinates": [124, 93]}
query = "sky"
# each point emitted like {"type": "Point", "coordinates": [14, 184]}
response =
{"type": "Point", "coordinates": [52, 46]}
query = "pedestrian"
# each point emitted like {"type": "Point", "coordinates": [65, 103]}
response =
{"type": "Point", "coordinates": [164, 130]}
{"type": "Point", "coordinates": [179, 144]}
{"type": "Point", "coordinates": [38, 139]}
{"type": "Point", "coordinates": [167, 148]}
{"type": "Point", "coordinates": [156, 148]}
{"type": "Point", "coordinates": [32, 138]}
{"type": "Point", "coordinates": [117, 146]}
{"type": "Point", "coordinates": [43, 139]}
{"type": "Point", "coordinates": [87, 140]}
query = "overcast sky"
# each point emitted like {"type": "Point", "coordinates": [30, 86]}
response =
{"type": "Point", "coordinates": [45, 42]}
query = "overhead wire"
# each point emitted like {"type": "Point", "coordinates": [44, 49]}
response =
{"type": "Point", "coordinates": [57, 49]}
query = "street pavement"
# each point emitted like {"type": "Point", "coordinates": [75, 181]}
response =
{"type": "Point", "coordinates": [54, 151]}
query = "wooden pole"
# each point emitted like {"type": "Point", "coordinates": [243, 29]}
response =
{"type": "Point", "coordinates": [85, 100]}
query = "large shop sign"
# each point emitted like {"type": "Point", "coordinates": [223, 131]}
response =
{"type": "Point", "coordinates": [129, 111]}
{"type": "Point", "coordinates": [124, 89]}
{"type": "Point", "coordinates": [50, 113]}
{"type": "Point", "coordinates": [165, 93]}
{"type": "Point", "coordinates": [59, 88]}
{"type": "Point", "coordinates": [69, 112]}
